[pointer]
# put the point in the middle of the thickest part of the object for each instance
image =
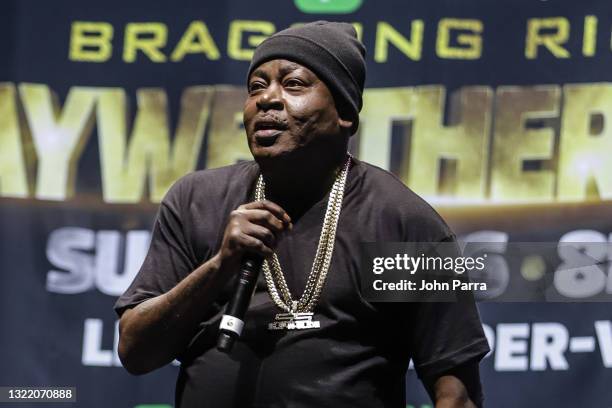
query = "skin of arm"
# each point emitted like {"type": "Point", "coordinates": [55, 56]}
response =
{"type": "Point", "coordinates": [456, 388]}
{"type": "Point", "coordinates": [154, 332]}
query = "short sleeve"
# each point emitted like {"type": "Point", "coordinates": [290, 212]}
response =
{"type": "Point", "coordinates": [169, 258]}
{"type": "Point", "coordinates": [446, 334]}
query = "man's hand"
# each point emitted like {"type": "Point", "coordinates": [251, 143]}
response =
{"type": "Point", "coordinates": [456, 388]}
{"type": "Point", "coordinates": [255, 227]}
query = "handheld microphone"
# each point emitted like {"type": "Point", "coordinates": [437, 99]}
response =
{"type": "Point", "coordinates": [232, 321]}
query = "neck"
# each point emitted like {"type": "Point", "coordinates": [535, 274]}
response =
{"type": "Point", "coordinates": [296, 186]}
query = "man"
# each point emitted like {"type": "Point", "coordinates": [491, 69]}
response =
{"type": "Point", "coordinates": [304, 97]}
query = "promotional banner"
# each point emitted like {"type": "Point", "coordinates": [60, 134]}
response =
{"type": "Point", "coordinates": [497, 113]}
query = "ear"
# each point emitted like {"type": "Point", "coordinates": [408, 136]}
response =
{"type": "Point", "coordinates": [344, 123]}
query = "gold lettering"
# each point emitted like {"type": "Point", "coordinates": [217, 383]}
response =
{"type": "Point", "coordinates": [196, 39]}
{"type": "Point", "coordinates": [13, 166]}
{"type": "Point", "coordinates": [59, 136]}
{"type": "Point", "coordinates": [552, 41]}
{"type": "Point", "coordinates": [156, 37]}
{"type": "Point", "coordinates": [589, 38]}
{"type": "Point", "coordinates": [124, 170]}
{"type": "Point", "coordinates": [236, 31]}
{"type": "Point", "coordinates": [449, 160]}
{"type": "Point", "coordinates": [227, 139]}
{"type": "Point", "coordinates": [514, 144]}
{"type": "Point", "coordinates": [586, 143]}
{"type": "Point", "coordinates": [386, 34]}
{"type": "Point", "coordinates": [472, 43]}
{"type": "Point", "coordinates": [382, 108]}
{"type": "Point", "coordinates": [90, 41]}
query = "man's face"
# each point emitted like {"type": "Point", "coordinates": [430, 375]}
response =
{"type": "Point", "coordinates": [289, 110]}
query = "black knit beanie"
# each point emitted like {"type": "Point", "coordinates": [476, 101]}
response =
{"type": "Point", "coordinates": [331, 50]}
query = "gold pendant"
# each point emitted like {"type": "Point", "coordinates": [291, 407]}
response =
{"type": "Point", "coordinates": [294, 321]}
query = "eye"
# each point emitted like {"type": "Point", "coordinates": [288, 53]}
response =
{"type": "Point", "coordinates": [293, 83]}
{"type": "Point", "coordinates": [256, 86]}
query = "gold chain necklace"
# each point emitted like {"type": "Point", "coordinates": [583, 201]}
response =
{"type": "Point", "coordinates": [298, 313]}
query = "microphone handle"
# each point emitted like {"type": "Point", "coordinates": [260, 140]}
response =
{"type": "Point", "coordinates": [232, 321]}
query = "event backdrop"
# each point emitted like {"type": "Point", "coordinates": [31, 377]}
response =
{"type": "Point", "coordinates": [497, 112]}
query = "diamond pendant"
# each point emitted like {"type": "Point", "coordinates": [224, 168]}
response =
{"type": "Point", "coordinates": [294, 321]}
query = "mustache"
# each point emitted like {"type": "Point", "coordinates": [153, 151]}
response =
{"type": "Point", "coordinates": [269, 121]}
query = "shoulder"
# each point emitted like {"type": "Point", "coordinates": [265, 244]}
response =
{"type": "Point", "coordinates": [398, 203]}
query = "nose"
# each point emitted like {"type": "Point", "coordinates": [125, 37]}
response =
{"type": "Point", "coordinates": [271, 98]}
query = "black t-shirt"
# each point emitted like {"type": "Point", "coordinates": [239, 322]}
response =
{"type": "Point", "coordinates": [360, 354]}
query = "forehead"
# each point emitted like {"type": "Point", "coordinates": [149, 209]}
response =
{"type": "Point", "coordinates": [280, 67]}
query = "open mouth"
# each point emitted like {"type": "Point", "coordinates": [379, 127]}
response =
{"type": "Point", "coordinates": [266, 133]}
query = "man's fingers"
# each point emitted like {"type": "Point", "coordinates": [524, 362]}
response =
{"type": "Point", "coordinates": [263, 234]}
{"type": "Point", "coordinates": [266, 219]}
{"type": "Point", "coordinates": [254, 245]}
{"type": "Point", "coordinates": [255, 227]}
{"type": "Point", "coordinates": [270, 206]}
